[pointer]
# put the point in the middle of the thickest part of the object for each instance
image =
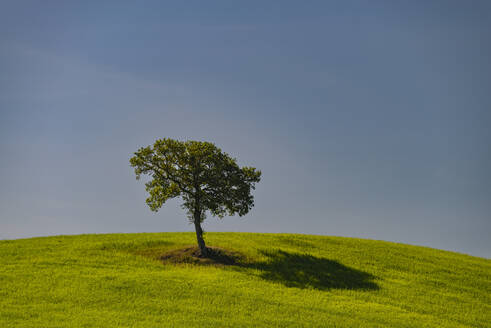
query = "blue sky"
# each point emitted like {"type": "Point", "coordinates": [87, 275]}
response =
{"type": "Point", "coordinates": [368, 119]}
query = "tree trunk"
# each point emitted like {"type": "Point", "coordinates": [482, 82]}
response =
{"type": "Point", "coordinates": [199, 235]}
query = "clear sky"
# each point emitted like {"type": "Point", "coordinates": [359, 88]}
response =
{"type": "Point", "coordinates": [368, 119]}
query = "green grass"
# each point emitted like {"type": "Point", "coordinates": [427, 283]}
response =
{"type": "Point", "coordinates": [282, 280]}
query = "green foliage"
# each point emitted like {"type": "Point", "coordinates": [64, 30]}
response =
{"type": "Point", "coordinates": [282, 280]}
{"type": "Point", "coordinates": [206, 178]}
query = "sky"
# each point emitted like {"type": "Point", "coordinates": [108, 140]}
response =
{"type": "Point", "coordinates": [368, 119]}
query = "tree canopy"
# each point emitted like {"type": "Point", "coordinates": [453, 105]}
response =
{"type": "Point", "coordinates": [207, 180]}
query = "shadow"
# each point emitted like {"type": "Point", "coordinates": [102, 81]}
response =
{"type": "Point", "coordinates": [307, 271]}
{"type": "Point", "coordinates": [290, 269]}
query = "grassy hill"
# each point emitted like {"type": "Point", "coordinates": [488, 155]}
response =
{"type": "Point", "coordinates": [277, 280]}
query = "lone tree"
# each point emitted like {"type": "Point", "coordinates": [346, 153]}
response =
{"type": "Point", "coordinates": [206, 178]}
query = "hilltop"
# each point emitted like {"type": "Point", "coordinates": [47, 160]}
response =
{"type": "Point", "coordinates": [256, 280]}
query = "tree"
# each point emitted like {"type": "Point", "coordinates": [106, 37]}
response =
{"type": "Point", "coordinates": [206, 179]}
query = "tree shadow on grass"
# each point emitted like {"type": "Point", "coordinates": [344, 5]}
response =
{"type": "Point", "coordinates": [307, 271]}
{"type": "Point", "coordinates": [291, 269]}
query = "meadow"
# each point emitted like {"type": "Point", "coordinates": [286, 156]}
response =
{"type": "Point", "coordinates": [276, 280]}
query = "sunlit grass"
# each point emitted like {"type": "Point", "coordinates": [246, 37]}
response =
{"type": "Point", "coordinates": [280, 280]}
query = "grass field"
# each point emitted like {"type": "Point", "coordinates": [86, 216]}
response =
{"type": "Point", "coordinates": [280, 280]}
